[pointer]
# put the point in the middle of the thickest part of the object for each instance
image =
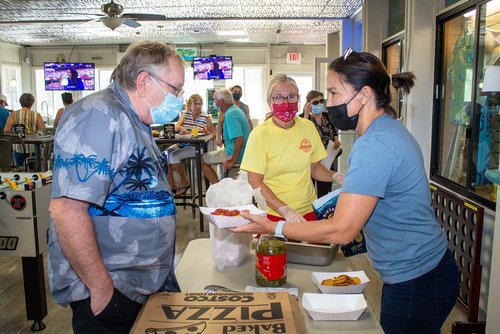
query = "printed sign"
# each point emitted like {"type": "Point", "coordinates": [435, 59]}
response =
{"type": "Point", "coordinates": [220, 312]}
{"type": "Point", "coordinates": [294, 58]}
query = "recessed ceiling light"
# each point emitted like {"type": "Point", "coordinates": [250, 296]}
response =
{"type": "Point", "coordinates": [239, 40]}
{"type": "Point", "coordinates": [231, 33]}
{"type": "Point", "coordinates": [106, 33]}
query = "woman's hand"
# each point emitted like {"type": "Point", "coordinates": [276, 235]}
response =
{"type": "Point", "coordinates": [259, 224]}
{"type": "Point", "coordinates": [183, 130]}
{"type": "Point", "coordinates": [336, 144]}
{"type": "Point", "coordinates": [290, 214]}
{"type": "Point", "coordinates": [338, 178]}
{"type": "Point", "coordinates": [307, 110]}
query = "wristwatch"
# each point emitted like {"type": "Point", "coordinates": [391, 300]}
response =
{"type": "Point", "coordinates": [278, 231]}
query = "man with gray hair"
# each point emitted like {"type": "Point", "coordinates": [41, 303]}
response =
{"type": "Point", "coordinates": [112, 233]}
{"type": "Point", "coordinates": [235, 132]}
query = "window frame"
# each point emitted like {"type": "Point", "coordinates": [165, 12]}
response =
{"type": "Point", "coordinates": [438, 95]}
{"type": "Point", "coordinates": [398, 38]}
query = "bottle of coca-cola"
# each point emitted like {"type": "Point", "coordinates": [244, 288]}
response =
{"type": "Point", "coordinates": [270, 265]}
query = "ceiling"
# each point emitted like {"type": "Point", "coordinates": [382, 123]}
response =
{"type": "Point", "coordinates": [63, 22]}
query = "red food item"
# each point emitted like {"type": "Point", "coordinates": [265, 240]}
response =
{"type": "Point", "coordinates": [227, 213]}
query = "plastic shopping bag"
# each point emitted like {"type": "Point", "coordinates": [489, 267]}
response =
{"type": "Point", "coordinates": [229, 249]}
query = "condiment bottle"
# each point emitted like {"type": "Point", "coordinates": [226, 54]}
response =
{"type": "Point", "coordinates": [270, 265]}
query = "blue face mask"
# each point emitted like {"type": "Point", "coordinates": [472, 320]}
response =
{"type": "Point", "coordinates": [216, 107]}
{"type": "Point", "coordinates": [318, 109]}
{"type": "Point", "coordinates": [169, 108]}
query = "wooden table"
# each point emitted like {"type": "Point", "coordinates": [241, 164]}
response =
{"type": "Point", "coordinates": [42, 145]}
{"type": "Point", "coordinates": [200, 143]}
{"type": "Point", "coordinates": [196, 270]}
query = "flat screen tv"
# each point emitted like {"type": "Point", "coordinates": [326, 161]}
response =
{"type": "Point", "coordinates": [213, 67]}
{"type": "Point", "coordinates": [69, 76]}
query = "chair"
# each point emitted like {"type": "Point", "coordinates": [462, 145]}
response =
{"type": "Point", "coordinates": [7, 161]}
{"type": "Point", "coordinates": [462, 222]}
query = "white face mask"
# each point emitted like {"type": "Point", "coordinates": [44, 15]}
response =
{"type": "Point", "coordinates": [169, 108]}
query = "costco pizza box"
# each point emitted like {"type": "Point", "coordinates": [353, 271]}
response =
{"type": "Point", "coordinates": [220, 313]}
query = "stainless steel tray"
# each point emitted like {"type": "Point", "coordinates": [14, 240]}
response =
{"type": "Point", "coordinates": [315, 255]}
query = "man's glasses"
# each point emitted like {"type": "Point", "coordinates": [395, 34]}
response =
{"type": "Point", "coordinates": [316, 102]}
{"type": "Point", "coordinates": [278, 99]}
{"type": "Point", "coordinates": [178, 92]}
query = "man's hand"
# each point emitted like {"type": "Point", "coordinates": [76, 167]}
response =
{"type": "Point", "coordinates": [100, 299]}
{"type": "Point", "coordinates": [228, 164]}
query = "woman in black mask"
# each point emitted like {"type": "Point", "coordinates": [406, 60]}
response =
{"type": "Point", "coordinates": [385, 193]}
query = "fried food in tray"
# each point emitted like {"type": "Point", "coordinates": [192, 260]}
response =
{"type": "Point", "coordinates": [341, 280]}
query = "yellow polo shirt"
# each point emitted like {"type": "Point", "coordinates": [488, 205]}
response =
{"type": "Point", "coordinates": [284, 157]}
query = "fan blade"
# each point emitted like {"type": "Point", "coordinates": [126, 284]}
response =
{"type": "Point", "coordinates": [146, 17]}
{"type": "Point", "coordinates": [131, 23]}
{"type": "Point", "coordinates": [89, 22]}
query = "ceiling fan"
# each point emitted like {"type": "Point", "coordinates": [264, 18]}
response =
{"type": "Point", "coordinates": [114, 16]}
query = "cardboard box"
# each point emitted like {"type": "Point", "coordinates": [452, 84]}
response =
{"type": "Point", "coordinates": [220, 313]}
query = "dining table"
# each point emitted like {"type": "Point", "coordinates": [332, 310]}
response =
{"type": "Point", "coordinates": [196, 270]}
{"type": "Point", "coordinates": [43, 145]}
{"type": "Point", "coordinates": [200, 144]}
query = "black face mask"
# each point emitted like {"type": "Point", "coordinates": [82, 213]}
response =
{"type": "Point", "coordinates": [340, 119]}
{"type": "Point", "coordinates": [237, 96]}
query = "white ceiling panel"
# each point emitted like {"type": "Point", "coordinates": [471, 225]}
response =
{"type": "Point", "coordinates": [63, 22]}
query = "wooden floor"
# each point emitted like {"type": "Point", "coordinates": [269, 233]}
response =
{"type": "Point", "coordinates": [58, 321]}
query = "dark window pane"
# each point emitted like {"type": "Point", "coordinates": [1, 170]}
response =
{"type": "Point", "coordinates": [396, 16]}
{"type": "Point", "coordinates": [455, 107]}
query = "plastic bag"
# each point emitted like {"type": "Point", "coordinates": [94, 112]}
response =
{"type": "Point", "coordinates": [229, 249]}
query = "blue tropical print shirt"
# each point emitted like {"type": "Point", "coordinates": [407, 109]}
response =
{"type": "Point", "coordinates": [104, 155]}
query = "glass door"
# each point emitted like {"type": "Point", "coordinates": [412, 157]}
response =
{"type": "Point", "coordinates": [466, 122]}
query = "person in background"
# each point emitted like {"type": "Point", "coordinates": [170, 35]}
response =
{"type": "Point", "coordinates": [67, 99]}
{"type": "Point", "coordinates": [112, 232]}
{"type": "Point", "coordinates": [237, 93]}
{"type": "Point", "coordinates": [386, 193]}
{"type": "Point", "coordinates": [193, 117]}
{"type": "Point", "coordinates": [314, 110]}
{"type": "Point", "coordinates": [32, 122]}
{"type": "Point", "coordinates": [236, 131]}
{"type": "Point", "coordinates": [282, 155]}
{"type": "Point", "coordinates": [74, 82]}
{"type": "Point", "coordinates": [4, 112]}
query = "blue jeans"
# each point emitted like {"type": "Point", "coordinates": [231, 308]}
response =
{"type": "Point", "coordinates": [421, 305]}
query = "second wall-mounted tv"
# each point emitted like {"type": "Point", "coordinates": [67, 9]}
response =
{"type": "Point", "coordinates": [213, 67]}
{"type": "Point", "coordinates": [69, 76]}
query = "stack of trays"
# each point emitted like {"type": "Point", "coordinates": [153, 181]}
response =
{"type": "Point", "coordinates": [336, 302]}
